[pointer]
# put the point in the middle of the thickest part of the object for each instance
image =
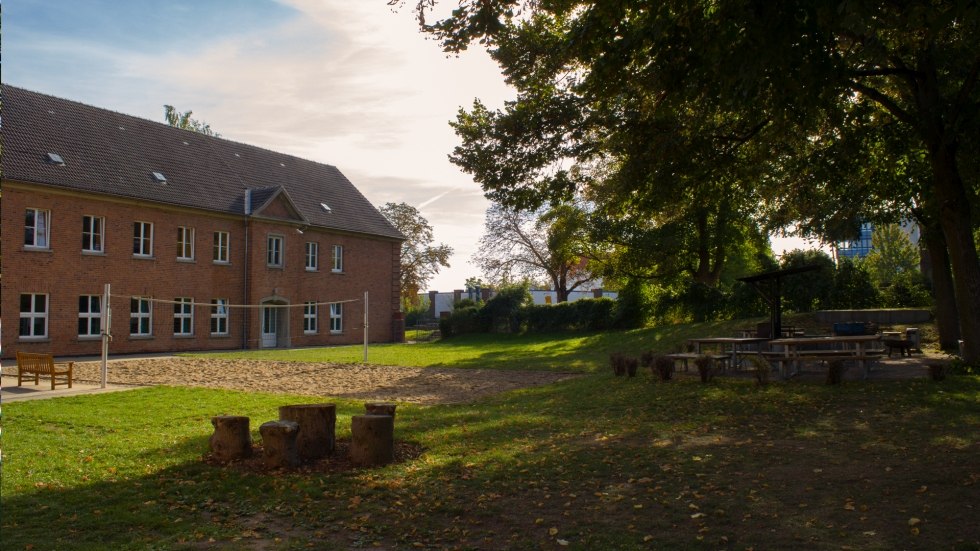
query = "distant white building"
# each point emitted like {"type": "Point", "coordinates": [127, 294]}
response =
{"type": "Point", "coordinates": [441, 304]}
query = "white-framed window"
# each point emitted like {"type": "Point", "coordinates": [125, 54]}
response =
{"type": "Point", "coordinates": [312, 256]}
{"type": "Point", "coordinates": [336, 317]}
{"type": "Point", "coordinates": [185, 243]}
{"type": "Point", "coordinates": [33, 316]}
{"type": "Point", "coordinates": [89, 315]}
{"type": "Point", "coordinates": [221, 247]}
{"type": "Point", "coordinates": [37, 227]}
{"type": "Point", "coordinates": [219, 316]}
{"type": "Point", "coordinates": [140, 317]}
{"type": "Point", "coordinates": [183, 316]}
{"type": "Point", "coordinates": [93, 234]}
{"type": "Point", "coordinates": [274, 250]}
{"type": "Point", "coordinates": [143, 239]}
{"type": "Point", "coordinates": [338, 258]}
{"type": "Point", "coordinates": [309, 318]}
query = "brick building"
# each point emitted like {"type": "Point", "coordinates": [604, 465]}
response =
{"type": "Point", "coordinates": [183, 226]}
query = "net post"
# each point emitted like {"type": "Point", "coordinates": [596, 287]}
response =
{"type": "Point", "coordinates": [365, 326]}
{"type": "Point", "coordinates": [106, 334]}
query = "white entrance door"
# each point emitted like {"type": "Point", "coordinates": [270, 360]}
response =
{"type": "Point", "coordinates": [270, 326]}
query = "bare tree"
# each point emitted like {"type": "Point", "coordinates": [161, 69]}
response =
{"type": "Point", "coordinates": [420, 258]}
{"type": "Point", "coordinates": [551, 244]}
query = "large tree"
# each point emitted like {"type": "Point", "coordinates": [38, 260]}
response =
{"type": "Point", "coordinates": [765, 74]}
{"type": "Point", "coordinates": [529, 245]}
{"type": "Point", "coordinates": [421, 259]}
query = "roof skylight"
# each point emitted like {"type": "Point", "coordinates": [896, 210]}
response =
{"type": "Point", "coordinates": [159, 177]}
{"type": "Point", "coordinates": [55, 159]}
{"type": "Point", "coordinates": [325, 207]}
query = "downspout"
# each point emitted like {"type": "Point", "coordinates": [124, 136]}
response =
{"type": "Point", "coordinates": [247, 263]}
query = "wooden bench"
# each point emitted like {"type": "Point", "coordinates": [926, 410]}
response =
{"type": "Point", "coordinates": [783, 362]}
{"type": "Point", "coordinates": [42, 364]}
{"type": "Point", "coordinates": [722, 359]}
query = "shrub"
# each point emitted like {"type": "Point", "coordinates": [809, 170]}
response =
{"type": "Point", "coordinates": [585, 314]}
{"type": "Point", "coordinates": [462, 321]}
{"type": "Point", "coordinates": [504, 310]}
{"type": "Point", "coordinates": [663, 368]}
{"type": "Point", "coordinates": [706, 368]}
{"type": "Point", "coordinates": [761, 369]}
{"type": "Point", "coordinates": [634, 306]}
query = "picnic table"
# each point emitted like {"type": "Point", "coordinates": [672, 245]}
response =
{"type": "Point", "coordinates": [734, 345]}
{"type": "Point", "coordinates": [838, 347]}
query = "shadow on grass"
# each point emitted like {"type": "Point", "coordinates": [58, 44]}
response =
{"type": "Point", "coordinates": [599, 462]}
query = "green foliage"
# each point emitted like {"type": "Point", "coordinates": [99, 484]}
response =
{"type": "Point", "coordinates": [183, 120]}
{"type": "Point", "coordinates": [892, 254]}
{"type": "Point", "coordinates": [580, 315]}
{"type": "Point", "coordinates": [465, 320]}
{"type": "Point", "coordinates": [808, 291]}
{"type": "Point", "coordinates": [634, 305]}
{"type": "Point", "coordinates": [907, 290]}
{"type": "Point", "coordinates": [504, 310]}
{"type": "Point", "coordinates": [853, 287]}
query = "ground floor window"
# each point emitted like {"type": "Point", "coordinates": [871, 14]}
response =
{"type": "Point", "coordinates": [140, 317]}
{"type": "Point", "coordinates": [33, 316]}
{"type": "Point", "coordinates": [309, 318]}
{"type": "Point", "coordinates": [219, 316]}
{"type": "Point", "coordinates": [336, 318]}
{"type": "Point", "coordinates": [89, 315]}
{"type": "Point", "coordinates": [183, 316]}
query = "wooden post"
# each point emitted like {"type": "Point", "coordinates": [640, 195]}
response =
{"type": "Point", "coordinates": [378, 408]}
{"type": "Point", "coordinates": [372, 440]}
{"type": "Point", "coordinates": [317, 428]}
{"type": "Point", "coordinates": [231, 439]}
{"type": "Point", "coordinates": [279, 443]}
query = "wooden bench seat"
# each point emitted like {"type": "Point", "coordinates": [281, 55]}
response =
{"type": "Point", "coordinates": [42, 364]}
{"type": "Point", "coordinates": [685, 356]}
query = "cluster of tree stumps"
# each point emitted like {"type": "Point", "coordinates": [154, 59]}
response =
{"type": "Point", "coordinates": [305, 433]}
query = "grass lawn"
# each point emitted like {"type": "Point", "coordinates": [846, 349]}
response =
{"type": "Point", "coordinates": [598, 462]}
{"type": "Point", "coordinates": [554, 352]}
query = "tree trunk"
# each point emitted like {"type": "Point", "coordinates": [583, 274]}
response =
{"type": "Point", "coordinates": [947, 322]}
{"type": "Point", "coordinates": [372, 440]}
{"type": "Point", "coordinates": [317, 428]}
{"type": "Point", "coordinates": [231, 439]}
{"type": "Point", "coordinates": [279, 444]}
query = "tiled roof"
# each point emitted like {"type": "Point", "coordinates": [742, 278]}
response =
{"type": "Point", "coordinates": [110, 153]}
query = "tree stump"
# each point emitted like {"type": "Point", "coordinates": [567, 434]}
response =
{"type": "Point", "coordinates": [279, 442]}
{"type": "Point", "coordinates": [231, 439]}
{"type": "Point", "coordinates": [372, 440]}
{"type": "Point", "coordinates": [317, 428]}
{"type": "Point", "coordinates": [379, 408]}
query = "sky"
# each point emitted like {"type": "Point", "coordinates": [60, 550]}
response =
{"type": "Point", "coordinates": [350, 83]}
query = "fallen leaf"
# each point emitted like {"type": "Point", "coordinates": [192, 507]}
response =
{"type": "Point", "coordinates": [914, 521]}
{"type": "Point", "coordinates": [562, 542]}
{"type": "Point", "coordinates": [552, 531]}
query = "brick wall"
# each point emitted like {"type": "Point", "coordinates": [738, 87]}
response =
{"type": "Point", "coordinates": [63, 273]}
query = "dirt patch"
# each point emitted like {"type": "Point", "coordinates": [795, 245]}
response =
{"type": "Point", "coordinates": [353, 381]}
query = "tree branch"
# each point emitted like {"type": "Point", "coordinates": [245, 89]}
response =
{"type": "Point", "coordinates": [886, 102]}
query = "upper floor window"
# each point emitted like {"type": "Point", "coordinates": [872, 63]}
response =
{"type": "Point", "coordinates": [93, 237]}
{"type": "Point", "coordinates": [37, 225]}
{"type": "Point", "coordinates": [219, 316]}
{"type": "Point", "coordinates": [312, 256]}
{"type": "Point", "coordinates": [185, 243]}
{"type": "Point", "coordinates": [140, 317]}
{"type": "Point", "coordinates": [183, 316]}
{"type": "Point", "coordinates": [89, 315]}
{"type": "Point", "coordinates": [309, 318]}
{"type": "Point", "coordinates": [274, 250]}
{"type": "Point", "coordinates": [221, 247]}
{"type": "Point", "coordinates": [33, 316]}
{"type": "Point", "coordinates": [142, 239]}
{"type": "Point", "coordinates": [338, 258]}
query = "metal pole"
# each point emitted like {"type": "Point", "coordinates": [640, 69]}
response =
{"type": "Point", "coordinates": [365, 326]}
{"type": "Point", "coordinates": [106, 333]}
